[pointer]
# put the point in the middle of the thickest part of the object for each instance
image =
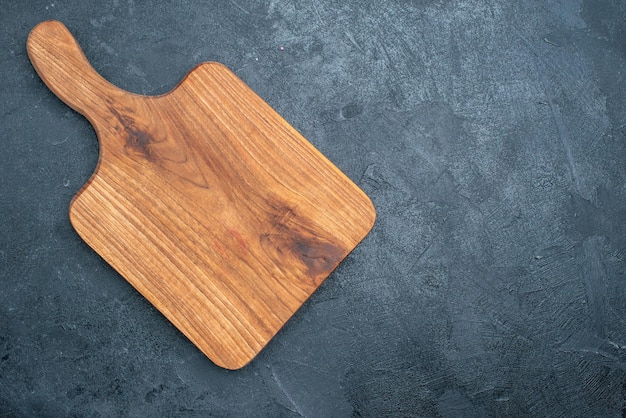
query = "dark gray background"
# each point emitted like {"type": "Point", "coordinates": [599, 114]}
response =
{"type": "Point", "coordinates": [491, 137]}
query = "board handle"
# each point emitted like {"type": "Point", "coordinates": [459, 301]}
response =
{"type": "Point", "coordinates": [62, 65]}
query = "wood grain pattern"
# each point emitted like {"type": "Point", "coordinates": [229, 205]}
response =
{"type": "Point", "coordinates": [205, 199]}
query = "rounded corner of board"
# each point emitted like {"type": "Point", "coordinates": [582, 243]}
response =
{"type": "Point", "coordinates": [212, 65]}
{"type": "Point", "coordinates": [371, 211]}
{"type": "Point", "coordinates": [71, 214]}
{"type": "Point", "coordinates": [233, 365]}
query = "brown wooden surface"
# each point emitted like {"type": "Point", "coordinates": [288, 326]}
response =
{"type": "Point", "coordinates": [205, 199]}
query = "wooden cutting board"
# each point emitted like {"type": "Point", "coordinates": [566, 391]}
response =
{"type": "Point", "coordinates": [206, 200]}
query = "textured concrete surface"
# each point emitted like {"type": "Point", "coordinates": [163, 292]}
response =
{"type": "Point", "coordinates": [491, 136]}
